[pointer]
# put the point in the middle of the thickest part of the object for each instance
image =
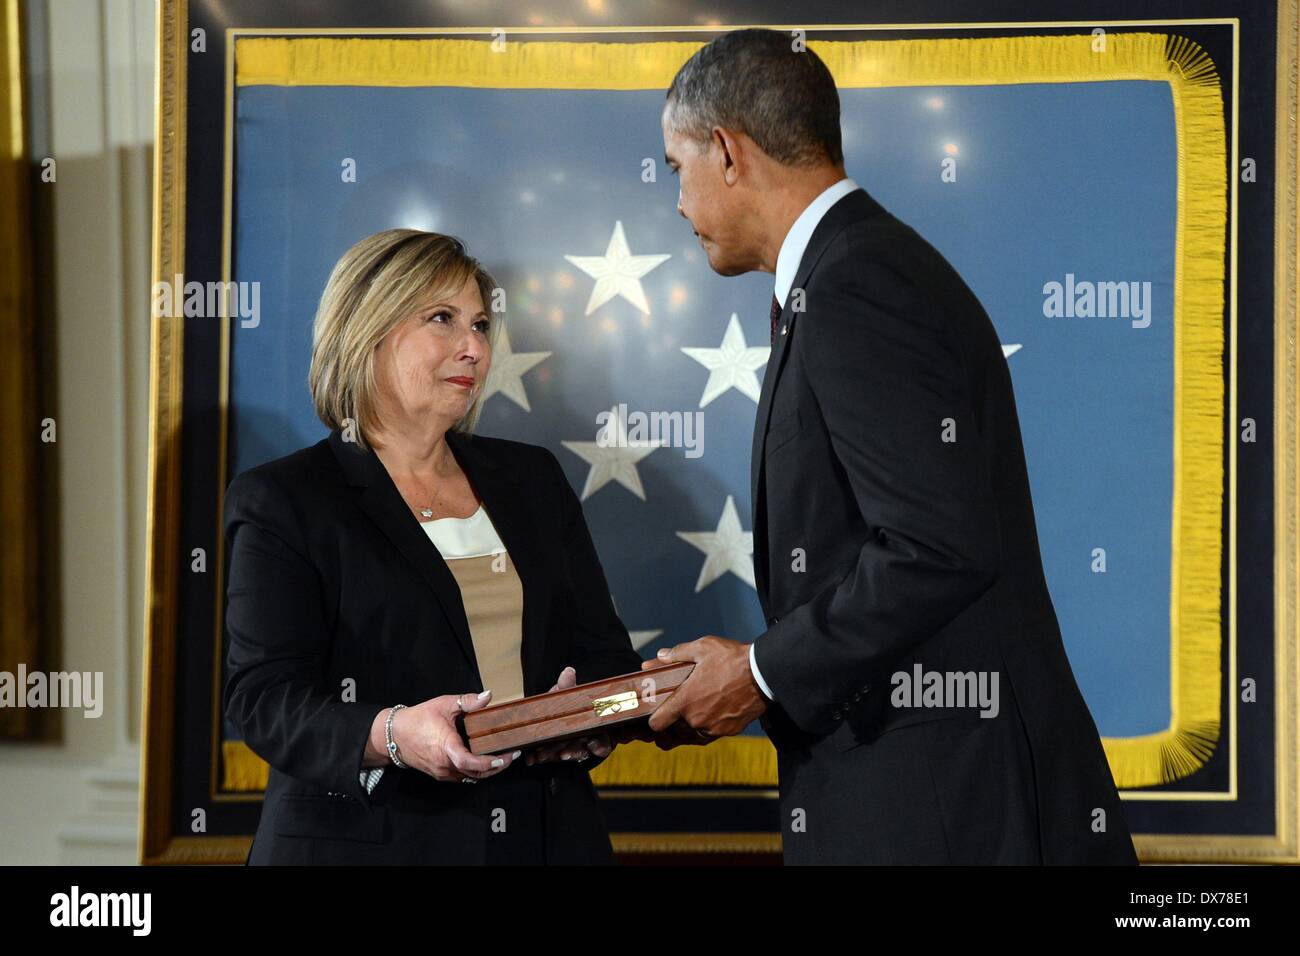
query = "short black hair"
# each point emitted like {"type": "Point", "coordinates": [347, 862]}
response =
{"type": "Point", "coordinates": [756, 82]}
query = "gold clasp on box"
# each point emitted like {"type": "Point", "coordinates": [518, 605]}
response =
{"type": "Point", "coordinates": [604, 706]}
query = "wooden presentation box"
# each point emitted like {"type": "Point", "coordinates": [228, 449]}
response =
{"type": "Point", "coordinates": [574, 711]}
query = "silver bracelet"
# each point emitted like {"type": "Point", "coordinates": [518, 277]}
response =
{"type": "Point", "coordinates": [388, 736]}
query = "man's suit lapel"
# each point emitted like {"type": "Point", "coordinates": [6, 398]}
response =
{"type": "Point", "coordinates": [379, 498]}
{"type": "Point", "coordinates": [850, 208]}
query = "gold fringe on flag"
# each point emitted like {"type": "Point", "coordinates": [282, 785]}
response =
{"type": "Point", "coordinates": [729, 762]}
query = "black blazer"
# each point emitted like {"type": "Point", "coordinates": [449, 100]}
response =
{"type": "Point", "coordinates": [334, 587]}
{"type": "Point", "coordinates": [878, 545]}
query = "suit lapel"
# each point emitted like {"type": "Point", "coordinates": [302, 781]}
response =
{"type": "Point", "coordinates": [850, 208]}
{"type": "Point", "coordinates": [379, 498]}
{"type": "Point", "coordinates": [764, 413]}
{"type": "Point", "coordinates": [758, 520]}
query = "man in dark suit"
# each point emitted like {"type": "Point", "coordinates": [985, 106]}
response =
{"type": "Point", "coordinates": [894, 536]}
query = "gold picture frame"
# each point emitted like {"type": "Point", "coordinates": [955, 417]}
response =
{"type": "Point", "coordinates": [159, 844]}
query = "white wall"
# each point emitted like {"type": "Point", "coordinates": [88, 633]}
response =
{"type": "Point", "coordinates": [92, 64]}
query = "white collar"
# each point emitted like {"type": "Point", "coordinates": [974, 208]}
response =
{"type": "Point", "coordinates": [796, 240]}
{"type": "Point", "coordinates": [472, 537]}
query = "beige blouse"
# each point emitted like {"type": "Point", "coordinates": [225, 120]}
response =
{"type": "Point", "coordinates": [493, 597]}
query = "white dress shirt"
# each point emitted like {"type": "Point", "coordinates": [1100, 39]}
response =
{"type": "Point", "coordinates": [787, 264]}
{"type": "Point", "coordinates": [796, 240]}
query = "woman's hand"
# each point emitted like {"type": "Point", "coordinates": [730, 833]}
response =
{"type": "Point", "coordinates": [580, 749]}
{"type": "Point", "coordinates": [428, 741]}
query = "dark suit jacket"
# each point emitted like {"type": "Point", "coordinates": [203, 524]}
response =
{"type": "Point", "coordinates": [333, 580]}
{"type": "Point", "coordinates": [878, 545]}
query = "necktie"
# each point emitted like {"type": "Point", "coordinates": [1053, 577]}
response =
{"type": "Point", "coordinates": [776, 314]}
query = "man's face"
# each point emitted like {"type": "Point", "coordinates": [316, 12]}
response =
{"type": "Point", "coordinates": [706, 200]}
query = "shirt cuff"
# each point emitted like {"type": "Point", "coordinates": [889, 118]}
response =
{"type": "Point", "coordinates": [758, 678]}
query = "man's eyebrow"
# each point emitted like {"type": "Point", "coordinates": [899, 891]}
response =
{"type": "Point", "coordinates": [669, 160]}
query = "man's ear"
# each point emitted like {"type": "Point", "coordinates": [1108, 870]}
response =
{"type": "Point", "coordinates": [731, 154]}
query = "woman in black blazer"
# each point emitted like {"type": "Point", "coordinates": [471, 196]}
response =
{"type": "Point", "coordinates": [346, 627]}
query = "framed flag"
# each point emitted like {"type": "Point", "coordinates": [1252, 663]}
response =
{"type": "Point", "coordinates": [1116, 186]}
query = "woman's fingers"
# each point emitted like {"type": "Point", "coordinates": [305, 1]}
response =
{"type": "Point", "coordinates": [461, 763]}
{"type": "Point", "coordinates": [565, 750]}
{"type": "Point", "coordinates": [544, 753]}
{"type": "Point", "coordinates": [464, 764]}
{"type": "Point", "coordinates": [547, 753]}
{"type": "Point", "coordinates": [455, 703]}
{"type": "Point", "coordinates": [579, 749]}
{"type": "Point", "coordinates": [599, 745]}
{"type": "Point", "coordinates": [473, 765]}
{"type": "Point", "coordinates": [568, 678]}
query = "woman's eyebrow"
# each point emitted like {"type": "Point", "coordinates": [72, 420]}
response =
{"type": "Point", "coordinates": [455, 309]}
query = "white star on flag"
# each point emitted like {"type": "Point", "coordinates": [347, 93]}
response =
{"type": "Point", "coordinates": [726, 549]}
{"type": "Point", "coordinates": [732, 364]}
{"type": "Point", "coordinates": [508, 368]}
{"type": "Point", "coordinates": [617, 272]}
{"type": "Point", "coordinates": [641, 638]}
{"type": "Point", "coordinates": [612, 457]}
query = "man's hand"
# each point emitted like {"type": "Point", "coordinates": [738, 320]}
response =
{"type": "Point", "coordinates": [718, 699]}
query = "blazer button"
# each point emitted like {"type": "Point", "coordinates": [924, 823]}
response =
{"type": "Point", "coordinates": [773, 620]}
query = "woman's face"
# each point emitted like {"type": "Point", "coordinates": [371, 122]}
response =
{"type": "Point", "coordinates": [434, 362]}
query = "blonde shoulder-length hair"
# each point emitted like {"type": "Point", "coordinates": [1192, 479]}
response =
{"type": "Point", "coordinates": [374, 286]}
